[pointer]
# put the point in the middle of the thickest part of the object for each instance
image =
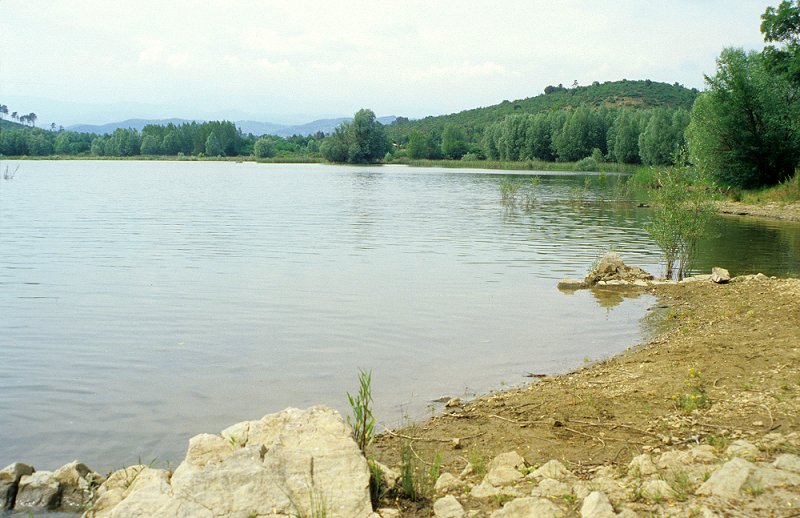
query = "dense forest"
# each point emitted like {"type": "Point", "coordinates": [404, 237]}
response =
{"type": "Point", "coordinates": [743, 131]}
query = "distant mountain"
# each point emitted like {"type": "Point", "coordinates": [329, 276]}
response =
{"type": "Point", "coordinates": [247, 126]}
{"type": "Point", "coordinates": [136, 124]}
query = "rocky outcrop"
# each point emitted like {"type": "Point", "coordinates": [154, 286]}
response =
{"type": "Point", "coordinates": [677, 482]}
{"type": "Point", "coordinates": [70, 488]}
{"type": "Point", "coordinates": [293, 463]}
{"type": "Point", "coordinates": [612, 269]}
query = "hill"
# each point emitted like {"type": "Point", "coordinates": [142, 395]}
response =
{"type": "Point", "coordinates": [4, 123]}
{"type": "Point", "coordinates": [612, 94]}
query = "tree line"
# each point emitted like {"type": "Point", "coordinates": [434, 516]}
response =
{"type": "Point", "coordinates": [216, 138]}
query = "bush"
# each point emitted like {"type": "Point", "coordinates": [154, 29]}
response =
{"type": "Point", "coordinates": [587, 164]}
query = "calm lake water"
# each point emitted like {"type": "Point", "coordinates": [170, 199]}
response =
{"type": "Point", "coordinates": [144, 302]}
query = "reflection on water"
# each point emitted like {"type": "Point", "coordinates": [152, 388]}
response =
{"type": "Point", "coordinates": [145, 302]}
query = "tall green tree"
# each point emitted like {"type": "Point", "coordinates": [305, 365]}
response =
{"type": "Point", "coordinates": [782, 25]}
{"type": "Point", "coordinates": [361, 141]}
{"type": "Point", "coordinates": [213, 146]}
{"type": "Point", "coordinates": [454, 142]}
{"type": "Point", "coordinates": [744, 130]}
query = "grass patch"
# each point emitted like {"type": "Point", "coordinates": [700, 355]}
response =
{"type": "Point", "coordinates": [695, 397]}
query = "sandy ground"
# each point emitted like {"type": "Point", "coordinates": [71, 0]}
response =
{"type": "Point", "coordinates": [741, 340]}
{"type": "Point", "coordinates": [786, 212]}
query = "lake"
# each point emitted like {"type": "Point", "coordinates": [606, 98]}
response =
{"type": "Point", "coordinates": [144, 302]}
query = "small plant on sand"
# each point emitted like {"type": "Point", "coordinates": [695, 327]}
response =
{"type": "Point", "coordinates": [416, 480]}
{"type": "Point", "coordinates": [362, 420]}
{"type": "Point", "coordinates": [695, 397]}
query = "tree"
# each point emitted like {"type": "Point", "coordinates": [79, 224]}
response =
{"type": "Point", "coordinates": [150, 145]}
{"type": "Point", "coordinates": [361, 141]}
{"type": "Point", "coordinates": [14, 116]}
{"type": "Point", "coordinates": [782, 25]}
{"type": "Point", "coordinates": [420, 145]}
{"type": "Point", "coordinates": [743, 130]}
{"type": "Point", "coordinates": [454, 142]}
{"type": "Point", "coordinates": [213, 146]}
{"type": "Point", "coordinates": [264, 148]}
{"type": "Point", "coordinates": [32, 119]}
{"type": "Point", "coordinates": [3, 110]}
{"type": "Point", "coordinates": [657, 141]}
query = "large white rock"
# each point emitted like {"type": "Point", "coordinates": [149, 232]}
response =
{"type": "Point", "coordinates": [295, 462]}
{"type": "Point", "coordinates": [727, 481]}
{"type": "Point", "coordinates": [641, 466]}
{"type": "Point", "coordinates": [743, 449]}
{"type": "Point", "coordinates": [529, 507]}
{"type": "Point", "coordinates": [9, 482]}
{"type": "Point", "coordinates": [552, 469]}
{"type": "Point", "coordinates": [37, 492]}
{"type": "Point", "coordinates": [447, 483]}
{"type": "Point", "coordinates": [788, 461]}
{"type": "Point", "coordinates": [448, 507]}
{"type": "Point", "coordinates": [509, 459]}
{"type": "Point", "coordinates": [597, 505]}
{"type": "Point", "coordinates": [503, 476]}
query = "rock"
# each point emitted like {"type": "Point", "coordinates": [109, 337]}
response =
{"type": "Point", "coordinates": [569, 283]}
{"type": "Point", "coordinates": [528, 508]}
{"type": "Point", "coordinates": [9, 483]}
{"type": "Point", "coordinates": [743, 449]}
{"type": "Point", "coordinates": [727, 481]}
{"type": "Point", "coordinates": [703, 453]}
{"type": "Point", "coordinates": [78, 484]}
{"type": "Point", "coordinates": [760, 277]}
{"type": "Point", "coordinates": [696, 278]}
{"type": "Point", "coordinates": [448, 507]}
{"type": "Point", "coordinates": [388, 512]}
{"type": "Point", "coordinates": [767, 478]}
{"type": "Point", "coordinates": [673, 460]}
{"type": "Point", "coordinates": [503, 476]}
{"type": "Point", "coordinates": [390, 476]}
{"type": "Point", "coordinates": [510, 459]}
{"type": "Point", "coordinates": [38, 492]}
{"type": "Point", "coordinates": [453, 403]}
{"type": "Point", "coordinates": [720, 275]}
{"type": "Point", "coordinates": [483, 490]}
{"type": "Point", "coordinates": [627, 513]}
{"type": "Point", "coordinates": [283, 464]}
{"type": "Point", "coordinates": [597, 505]}
{"type": "Point", "coordinates": [611, 268]}
{"type": "Point", "coordinates": [787, 462]}
{"type": "Point", "coordinates": [641, 466]}
{"type": "Point", "coordinates": [551, 488]}
{"type": "Point", "coordinates": [447, 483]}
{"type": "Point", "coordinates": [552, 469]}
{"type": "Point", "coordinates": [657, 490]}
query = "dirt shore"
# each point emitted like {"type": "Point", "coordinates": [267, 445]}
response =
{"type": "Point", "coordinates": [782, 211]}
{"type": "Point", "coordinates": [734, 347]}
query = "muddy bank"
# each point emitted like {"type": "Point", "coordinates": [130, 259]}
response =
{"type": "Point", "coordinates": [735, 347]}
{"type": "Point", "coordinates": [781, 211]}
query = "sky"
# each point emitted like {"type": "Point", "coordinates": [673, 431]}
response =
{"type": "Point", "coordinates": [96, 61]}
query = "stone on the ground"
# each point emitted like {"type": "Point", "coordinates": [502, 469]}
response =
{"type": "Point", "coordinates": [769, 477]}
{"type": "Point", "coordinates": [510, 459]}
{"type": "Point", "coordinates": [704, 454]}
{"type": "Point", "coordinates": [743, 449]}
{"type": "Point", "coordinates": [286, 464]}
{"type": "Point", "coordinates": [597, 505]}
{"type": "Point", "coordinates": [720, 275]}
{"type": "Point", "coordinates": [656, 490]}
{"type": "Point", "coordinates": [9, 482]}
{"type": "Point", "coordinates": [788, 462]}
{"type": "Point", "coordinates": [390, 476]}
{"type": "Point", "coordinates": [388, 512]}
{"type": "Point", "coordinates": [551, 469]}
{"type": "Point", "coordinates": [448, 507]}
{"type": "Point", "coordinates": [503, 476]}
{"type": "Point", "coordinates": [551, 488]}
{"type": "Point", "coordinates": [727, 481]}
{"type": "Point", "coordinates": [641, 466]}
{"type": "Point", "coordinates": [38, 492]}
{"type": "Point", "coordinates": [528, 507]}
{"type": "Point", "coordinates": [447, 483]}
{"type": "Point", "coordinates": [484, 490]}
{"type": "Point", "coordinates": [673, 460]}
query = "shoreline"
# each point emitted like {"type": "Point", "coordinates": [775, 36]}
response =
{"type": "Point", "coordinates": [600, 417]}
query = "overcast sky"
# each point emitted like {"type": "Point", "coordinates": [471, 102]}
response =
{"type": "Point", "coordinates": [296, 60]}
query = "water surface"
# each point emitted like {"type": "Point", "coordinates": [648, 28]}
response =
{"type": "Point", "coordinates": [144, 302]}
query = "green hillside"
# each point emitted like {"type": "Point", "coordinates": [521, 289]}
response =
{"type": "Point", "coordinates": [7, 124]}
{"type": "Point", "coordinates": [613, 94]}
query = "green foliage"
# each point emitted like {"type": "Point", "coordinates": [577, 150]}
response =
{"type": "Point", "coordinates": [587, 164]}
{"type": "Point", "coordinates": [454, 142]}
{"type": "Point", "coordinates": [377, 486]}
{"type": "Point", "coordinates": [680, 218]}
{"type": "Point", "coordinates": [361, 141]}
{"type": "Point", "coordinates": [264, 148]}
{"type": "Point", "coordinates": [213, 146]}
{"type": "Point", "coordinates": [150, 145]}
{"type": "Point", "coordinates": [417, 481]}
{"type": "Point", "coordinates": [744, 129]}
{"type": "Point", "coordinates": [362, 422]}
{"type": "Point", "coordinates": [421, 145]}
{"type": "Point", "coordinates": [782, 25]}
{"type": "Point", "coordinates": [516, 190]}
{"type": "Point", "coordinates": [694, 397]}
